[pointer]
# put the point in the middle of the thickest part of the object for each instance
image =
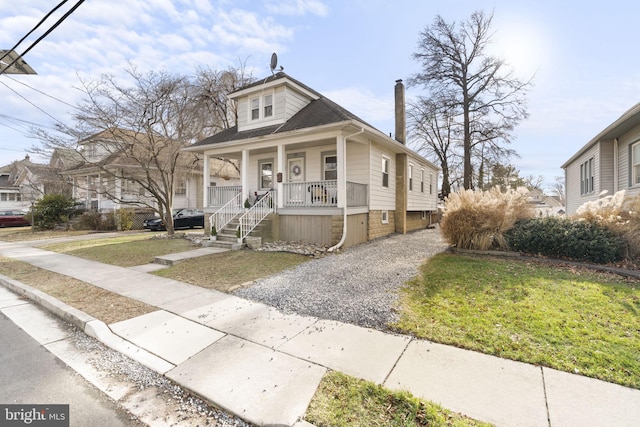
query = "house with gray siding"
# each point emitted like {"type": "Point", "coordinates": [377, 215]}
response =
{"type": "Point", "coordinates": [315, 171]}
{"type": "Point", "coordinates": [608, 162]}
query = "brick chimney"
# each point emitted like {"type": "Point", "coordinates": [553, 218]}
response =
{"type": "Point", "coordinates": [401, 117]}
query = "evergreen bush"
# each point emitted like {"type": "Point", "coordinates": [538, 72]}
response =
{"type": "Point", "coordinates": [52, 209]}
{"type": "Point", "coordinates": [565, 238]}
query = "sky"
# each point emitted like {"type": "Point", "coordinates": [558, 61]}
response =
{"type": "Point", "coordinates": [582, 56]}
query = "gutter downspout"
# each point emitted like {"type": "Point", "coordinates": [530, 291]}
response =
{"type": "Point", "coordinates": [344, 208]}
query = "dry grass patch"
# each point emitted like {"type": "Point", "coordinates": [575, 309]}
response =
{"type": "Point", "coordinates": [20, 234]}
{"type": "Point", "coordinates": [228, 269]}
{"type": "Point", "coordinates": [124, 251]}
{"type": "Point", "coordinates": [94, 301]}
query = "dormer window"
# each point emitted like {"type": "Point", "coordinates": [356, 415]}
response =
{"type": "Point", "coordinates": [255, 108]}
{"type": "Point", "coordinates": [261, 107]}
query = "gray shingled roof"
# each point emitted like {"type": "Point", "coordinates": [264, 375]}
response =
{"type": "Point", "coordinates": [321, 111]}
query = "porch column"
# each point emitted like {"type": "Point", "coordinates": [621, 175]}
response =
{"type": "Point", "coordinates": [206, 181]}
{"type": "Point", "coordinates": [244, 175]}
{"type": "Point", "coordinates": [342, 170]}
{"type": "Point", "coordinates": [279, 185]}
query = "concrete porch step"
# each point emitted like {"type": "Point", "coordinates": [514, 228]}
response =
{"type": "Point", "coordinates": [172, 259]}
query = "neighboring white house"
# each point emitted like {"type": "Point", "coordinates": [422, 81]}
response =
{"type": "Point", "coordinates": [544, 205]}
{"type": "Point", "coordinates": [321, 174]}
{"type": "Point", "coordinates": [609, 162]}
{"type": "Point", "coordinates": [102, 191]}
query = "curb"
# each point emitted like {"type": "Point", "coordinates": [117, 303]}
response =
{"type": "Point", "coordinates": [89, 325]}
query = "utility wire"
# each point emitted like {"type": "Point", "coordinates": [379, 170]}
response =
{"type": "Point", "coordinates": [12, 90]}
{"type": "Point", "coordinates": [45, 94]}
{"type": "Point", "coordinates": [43, 36]}
{"type": "Point", "coordinates": [34, 28]}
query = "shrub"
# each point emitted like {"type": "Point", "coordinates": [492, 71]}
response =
{"type": "Point", "coordinates": [52, 209]}
{"type": "Point", "coordinates": [124, 218]}
{"type": "Point", "coordinates": [479, 219]}
{"type": "Point", "coordinates": [94, 220]}
{"type": "Point", "coordinates": [619, 213]}
{"type": "Point", "coordinates": [565, 238]}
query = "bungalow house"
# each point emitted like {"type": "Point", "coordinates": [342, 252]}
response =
{"type": "Point", "coordinates": [544, 205]}
{"type": "Point", "coordinates": [609, 162]}
{"type": "Point", "coordinates": [318, 172]}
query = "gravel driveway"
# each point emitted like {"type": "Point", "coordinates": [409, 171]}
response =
{"type": "Point", "coordinates": [359, 285]}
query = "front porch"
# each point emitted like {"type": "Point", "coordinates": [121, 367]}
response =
{"type": "Point", "coordinates": [308, 194]}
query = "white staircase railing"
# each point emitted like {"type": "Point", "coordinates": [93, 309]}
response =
{"type": "Point", "coordinates": [226, 213]}
{"type": "Point", "coordinates": [259, 211]}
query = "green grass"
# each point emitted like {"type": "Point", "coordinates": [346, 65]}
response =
{"type": "Point", "coordinates": [225, 270]}
{"type": "Point", "coordinates": [568, 319]}
{"type": "Point", "coordinates": [342, 401]}
{"type": "Point", "coordinates": [125, 251]}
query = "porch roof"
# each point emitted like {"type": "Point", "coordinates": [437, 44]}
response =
{"type": "Point", "coordinates": [318, 112]}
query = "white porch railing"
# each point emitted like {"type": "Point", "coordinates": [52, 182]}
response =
{"type": "Point", "coordinates": [226, 213]}
{"type": "Point", "coordinates": [220, 196]}
{"type": "Point", "coordinates": [323, 194]}
{"type": "Point", "coordinates": [259, 211]}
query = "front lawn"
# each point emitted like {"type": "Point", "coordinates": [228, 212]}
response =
{"type": "Point", "coordinates": [344, 401]}
{"type": "Point", "coordinates": [565, 318]}
{"type": "Point", "coordinates": [124, 251]}
{"type": "Point", "coordinates": [225, 270]}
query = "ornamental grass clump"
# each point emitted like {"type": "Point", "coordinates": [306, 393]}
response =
{"type": "Point", "coordinates": [479, 219]}
{"type": "Point", "coordinates": [619, 213]}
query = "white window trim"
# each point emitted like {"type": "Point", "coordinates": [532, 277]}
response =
{"type": "Point", "coordinates": [261, 98]}
{"type": "Point", "coordinates": [385, 217]}
{"type": "Point", "coordinates": [324, 156]}
{"type": "Point", "coordinates": [263, 162]}
{"type": "Point", "coordinates": [386, 160]}
{"type": "Point", "coordinates": [587, 177]}
{"type": "Point", "coordinates": [422, 180]}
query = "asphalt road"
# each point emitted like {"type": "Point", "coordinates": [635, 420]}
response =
{"type": "Point", "coordinates": [30, 374]}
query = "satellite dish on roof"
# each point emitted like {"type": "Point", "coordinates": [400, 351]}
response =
{"type": "Point", "coordinates": [274, 63]}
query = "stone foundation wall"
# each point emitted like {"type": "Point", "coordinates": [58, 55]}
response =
{"type": "Point", "coordinates": [377, 228]}
{"type": "Point", "coordinates": [415, 221]}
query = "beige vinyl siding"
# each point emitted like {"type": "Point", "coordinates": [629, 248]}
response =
{"type": "Point", "coordinates": [243, 112]}
{"type": "Point", "coordinates": [417, 200]}
{"type": "Point", "coordinates": [574, 198]}
{"type": "Point", "coordinates": [295, 102]}
{"type": "Point", "coordinates": [624, 173]}
{"type": "Point", "coordinates": [606, 167]}
{"type": "Point", "coordinates": [381, 198]}
{"type": "Point", "coordinates": [254, 160]}
{"type": "Point", "coordinates": [358, 163]}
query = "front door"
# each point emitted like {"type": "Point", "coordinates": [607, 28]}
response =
{"type": "Point", "coordinates": [296, 170]}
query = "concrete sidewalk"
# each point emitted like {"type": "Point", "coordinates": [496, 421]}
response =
{"type": "Point", "coordinates": [264, 365]}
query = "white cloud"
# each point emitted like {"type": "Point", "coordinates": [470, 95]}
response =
{"type": "Point", "coordinates": [374, 109]}
{"type": "Point", "coordinates": [297, 7]}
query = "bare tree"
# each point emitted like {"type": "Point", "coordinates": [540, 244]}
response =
{"type": "Point", "coordinates": [558, 189]}
{"type": "Point", "coordinates": [437, 136]}
{"type": "Point", "coordinates": [465, 80]}
{"type": "Point", "coordinates": [134, 133]}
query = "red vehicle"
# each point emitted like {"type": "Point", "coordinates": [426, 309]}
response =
{"type": "Point", "coordinates": [13, 219]}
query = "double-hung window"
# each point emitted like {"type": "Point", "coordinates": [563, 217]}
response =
{"type": "Point", "coordinates": [255, 108]}
{"type": "Point", "coordinates": [635, 164]}
{"type": "Point", "coordinates": [385, 171]}
{"type": "Point", "coordinates": [265, 171]}
{"type": "Point", "coordinates": [422, 180]}
{"type": "Point", "coordinates": [410, 177]}
{"type": "Point", "coordinates": [261, 107]}
{"type": "Point", "coordinates": [268, 106]}
{"type": "Point", "coordinates": [330, 166]}
{"type": "Point", "coordinates": [586, 177]}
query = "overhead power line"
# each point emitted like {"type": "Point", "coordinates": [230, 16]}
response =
{"type": "Point", "coordinates": [58, 22]}
{"type": "Point", "coordinates": [34, 28]}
